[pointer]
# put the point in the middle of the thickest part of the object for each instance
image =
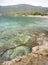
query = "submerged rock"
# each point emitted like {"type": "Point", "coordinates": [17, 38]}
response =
{"type": "Point", "coordinates": [38, 56]}
{"type": "Point", "coordinates": [24, 38]}
{"type": "Point", "coordinates": [17, 51]}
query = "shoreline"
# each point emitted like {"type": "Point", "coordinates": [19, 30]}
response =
{"type": "Point", "coordinates": [28, 16]}
{"type": "Point", "coordinates": [36, 16]}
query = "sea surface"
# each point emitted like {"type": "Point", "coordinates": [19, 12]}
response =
{"type": "Point", "coordinates": [13, 30]}
{"type": "Point", "coordinates": [9, 26]}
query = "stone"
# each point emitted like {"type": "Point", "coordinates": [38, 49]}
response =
{"type": "Point", "coordinates": [42, 50]}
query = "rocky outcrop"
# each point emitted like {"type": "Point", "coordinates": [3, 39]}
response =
{"type": "Point", "coordinates": [30, 59]}
{"type": "Point", "coordinates": [38, 55]}
{"type": "Point", "coordinates": [42, 50]}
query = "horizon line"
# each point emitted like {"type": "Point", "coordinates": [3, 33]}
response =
{"type": "Point", "coordinates": [23, 4]}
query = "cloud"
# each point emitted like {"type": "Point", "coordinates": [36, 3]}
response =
{"type": "Point", "coordinates": [31, 2]}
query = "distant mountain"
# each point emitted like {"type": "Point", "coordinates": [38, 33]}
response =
{"type": "Point", "coordinates": [23, 7]}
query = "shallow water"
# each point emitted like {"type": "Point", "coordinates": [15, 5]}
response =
{"type": "Point", "coordinates": [9, 26]}
{"type": "Point", "coordinates": [18, 30]}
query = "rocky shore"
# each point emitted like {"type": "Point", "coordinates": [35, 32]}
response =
{"type": "Point", "coordinates": [30, 59]}
{"type": "Point", "coordinates": [38, 54]}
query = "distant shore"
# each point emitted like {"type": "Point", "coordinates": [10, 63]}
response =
{"type": "Point", "coordinates": [45, 16]}
{"type": "Point", "coordinates": [36, 16]}
{"type": "Point", "coordinates": [26, 16]}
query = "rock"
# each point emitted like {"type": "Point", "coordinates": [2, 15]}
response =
{"type": "Point", "coordinates": [17, 51]}
{"type": "Point", "coordinates": [38, 56]}
{"type": "Point", "coordinates": [17, 59]}
{"type": "Point", "coordinates": [30, 59]}
{"type": "Point", "coordinates": [40, 50]}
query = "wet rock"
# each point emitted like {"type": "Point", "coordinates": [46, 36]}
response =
{"type": "Point", "coordinates": [24, 38]}
{"type": "Point", "coordinates": [17, 51]}
{"type": "Point", "coordinates": [32, 42]}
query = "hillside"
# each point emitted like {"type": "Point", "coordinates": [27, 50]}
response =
{"type": "Point", "coordinates": [23, 8]}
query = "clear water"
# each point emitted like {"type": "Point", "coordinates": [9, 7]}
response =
{"type": "Point", "coordinates": [9, 26]}
{"type": "Point", "coordinates": [13, 29]}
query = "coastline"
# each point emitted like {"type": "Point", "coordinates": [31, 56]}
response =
{"type": "Point", "coordinates": [36, 16]}
{"type": "Point", "coordinates": [27, 16]}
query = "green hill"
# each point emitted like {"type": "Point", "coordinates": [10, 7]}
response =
{"type": "Point", "coordinates": [22, 8]}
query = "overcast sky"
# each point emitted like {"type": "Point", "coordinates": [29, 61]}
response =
{"type": "Point", "coordinates": [43, 3]}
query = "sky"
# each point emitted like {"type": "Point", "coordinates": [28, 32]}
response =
{"type": "Point", "coordinates": [43, 3]}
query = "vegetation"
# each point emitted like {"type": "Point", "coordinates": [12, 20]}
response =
{"type": "Point", "coordinates": [23, 13]}
{"type": "Point", "coordinates": [23, 9]}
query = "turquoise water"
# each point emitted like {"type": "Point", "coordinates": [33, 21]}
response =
{"type": "Point", "coordinates": [16, 31]}
{"type": "Point", "coordinates": [22, 21]}
{"type": "Point", "coordinates": [18, 23]}
{"type": "Point", "coordinates": [12, 27]}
